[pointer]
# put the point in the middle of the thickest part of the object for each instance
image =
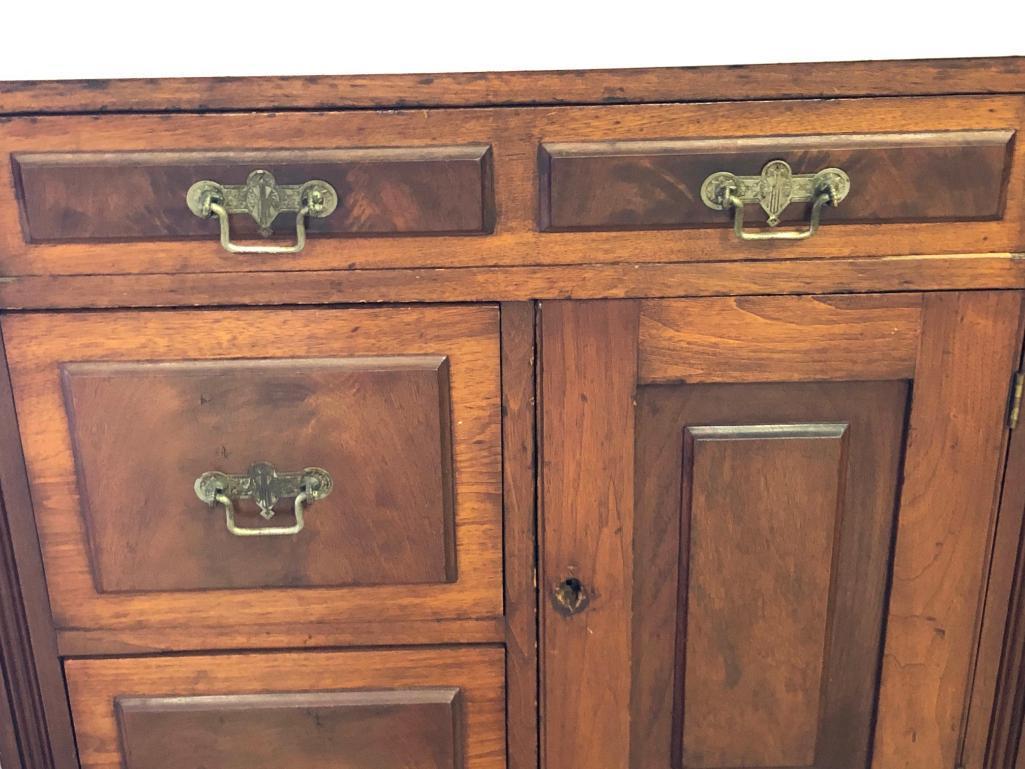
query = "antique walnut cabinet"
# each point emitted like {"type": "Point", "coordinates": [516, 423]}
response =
{"type": "Point", "coordinates": [654, 419]}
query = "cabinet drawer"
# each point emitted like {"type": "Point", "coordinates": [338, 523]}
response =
{"type": "Point", "coordinates": [419, 709]}
{"type": "Point", "coordinates": [124, 196]}
{"type": "Point", "coordinates": [202, 469]}
{"type": "Point", "coordinates": [945, 176]}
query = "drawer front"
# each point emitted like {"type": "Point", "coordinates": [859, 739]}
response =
{"type": "Point", "coordinates": [509, 187]}
{"type": "Point", "coordinates": [261, 467]}
{"type": "Point", "coordinates": [931, 177]}
{"type": "Point", "coordinates": [420, 709]}
{"type": "Point", "coordinates": [394, 191]}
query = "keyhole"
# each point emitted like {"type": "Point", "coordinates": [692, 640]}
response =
{"type": "Point", "coordinates": [570, 597]}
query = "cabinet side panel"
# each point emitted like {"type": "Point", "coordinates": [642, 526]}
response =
{"type": "Point", "coordinates": [951, 471]}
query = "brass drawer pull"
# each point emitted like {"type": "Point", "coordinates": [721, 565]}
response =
{"type": "Point", "coordinates": [263, 484]}
{"type": "Point", "coordinates": [774, 190]}
{"type": "Point", "coordinates": [262, 198]}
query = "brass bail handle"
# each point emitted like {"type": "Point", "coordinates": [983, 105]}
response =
{"type": "Point", "coordinates": [265, 485]}
{"type": "Point", "coordinates": [263, 199]}
{"type": "Point", "coordinates": [775, 189]}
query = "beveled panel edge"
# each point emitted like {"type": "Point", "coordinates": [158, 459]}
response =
{"type": "Point", "coordinates": [427, 153]}
{"type": "Point", "coordinates": [448, 695]}
{"type": "Point", "coordinates": [756, 432]}
{"type": "Point", "coordinates": [964, 137]}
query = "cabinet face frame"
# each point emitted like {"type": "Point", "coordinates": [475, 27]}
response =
{"type": "Point", "coordinates": [594, 356]}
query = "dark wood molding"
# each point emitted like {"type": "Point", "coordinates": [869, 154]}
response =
{"type": "Point", "coordinates": [472, 89]}
{"type": "Point", "coordinates": [28, 644]}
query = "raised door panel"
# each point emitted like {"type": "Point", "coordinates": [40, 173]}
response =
{"type": "Point", "coordinates": [122, 413]}
{"type": "Point", "coordinates": [411, 709]}
{"type": "Point", "coordinates": [773, 517]}
{"type": "Point", "coordinates": [771, 506]}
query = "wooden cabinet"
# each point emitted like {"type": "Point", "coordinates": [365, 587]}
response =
{"type": "Point", "coordinates": [779, 513]}
{"type": "Point", "coordinates": [643, 420]}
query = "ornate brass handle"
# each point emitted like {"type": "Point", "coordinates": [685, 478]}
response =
{"type": "Point", "coordinates": [262, 198]}
{"type": "Point", "coordinates": [266, 486]}
{"type": "Point", "coordinates": [774, 190]}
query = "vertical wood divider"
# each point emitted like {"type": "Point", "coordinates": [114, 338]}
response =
{"type": "Point", "coordinates": [519, 507]}
{"type": "Point", "coordinates": [588, 382]}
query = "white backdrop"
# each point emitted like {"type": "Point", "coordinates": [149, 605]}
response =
{"type": "Point", "coordinates": [150, 38]}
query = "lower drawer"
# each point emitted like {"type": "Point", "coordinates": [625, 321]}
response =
{"type": "Point", "coordinates": [398, 709]}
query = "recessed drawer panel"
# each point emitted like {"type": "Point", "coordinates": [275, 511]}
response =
{"type": "Point", "coordinates": [276, 467]}
{"type": "Point", "coordinates": [635, 185]}
{"type": "Point", "coordinates": [142, 195]}
{"type": "Point", "coordinates": [410, 709]}
{"type": "Point", "coordinates": [379, 426]}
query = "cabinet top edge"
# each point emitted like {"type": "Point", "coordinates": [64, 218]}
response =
{"type": "Point", "coordinates": [925, 77]}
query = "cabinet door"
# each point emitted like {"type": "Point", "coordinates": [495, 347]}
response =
{"type": "Point", "coordinates": [766, 526]}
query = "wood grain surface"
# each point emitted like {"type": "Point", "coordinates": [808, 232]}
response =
{"type": "Point", "coordinates": [777, 339]}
